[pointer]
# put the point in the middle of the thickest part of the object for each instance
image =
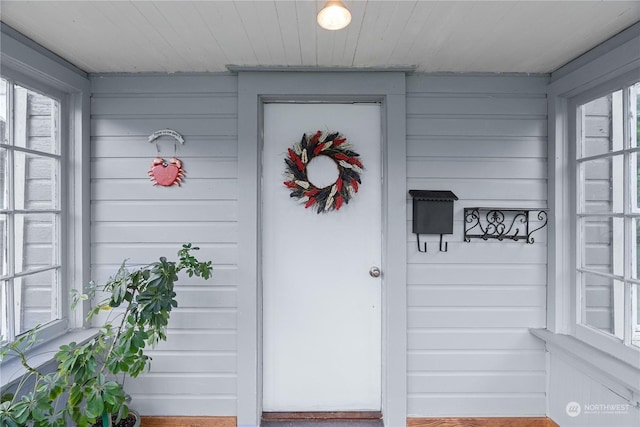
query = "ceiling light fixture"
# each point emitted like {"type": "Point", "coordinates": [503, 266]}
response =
{"type": "Point", "coordinates": [334, 15]}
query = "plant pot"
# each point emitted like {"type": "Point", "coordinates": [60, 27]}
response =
{"type": "Point", "coordinates": [126, 422]}
{"type": "Point", "coordinates": [137, 416]}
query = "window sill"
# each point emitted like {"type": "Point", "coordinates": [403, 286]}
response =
{"type": "Point", "coordinates": [40, 356]}
{"type": "Point", "coordinates": [620, 377]}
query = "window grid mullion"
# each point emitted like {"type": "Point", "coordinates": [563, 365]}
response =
{"type": "Point", "coordinates": [628, 327]}
{"type": "Point", "coordinates": [608, 215]}
{"type": "Point", "coordinates": [9, 288]}
{"type": "Point", "coordinates": [33, 152]}
{"type": "Point", "coordinates": [580, 315]}
{"type": "Point", "coordinates": [56, 292]}
{"type": "Point", "coordinates": [628, 221]}
{"type": "Point", "coordinates": [37, 211]}
{"type": "Point", "coordinates": [608, 154]}
{"type": "Point", "coordinates": [601, 274]}
{"type": "Point", "coordinates": [32, 272]}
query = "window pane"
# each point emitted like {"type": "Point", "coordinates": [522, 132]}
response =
{"type": "Point", "coordinates": [634, 190]}
{"type": "Point", "coordinates": [635, 315]}
{"type": "Point", "coordinates": [4, 245]}
{"type": "Point", "coordinates": [597, 133]}
{"type": "Point", "coordinates": [35, 299]}
{"type": "Point", "coordinates": [634, 108]}
{"type": "Point", "coordinates": [603, 243]}
{"type": "Point", "coordinates": [4, 130]}
{"type": "Point", "coordinates": [603, 189]}
{"type": "Point", "coordinates": [35, 241]}
{"type": "Point", "coordinates": [635, 247]}
{"type": "Point", "coordinates": [603, 306]}
{"type": "Point", "coordinates": [35, 181]}
{"type": "Point", "coordinates": [4, 329]}
{"type": "Point", "coordinates": [4, 179]}
{"type": "Point", "coordinates": [35, 121]}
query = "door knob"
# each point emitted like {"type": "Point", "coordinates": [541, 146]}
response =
{"type": "Point", "coordinates": [374, 272]}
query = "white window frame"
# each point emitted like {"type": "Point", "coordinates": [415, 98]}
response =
{"type": "Point", "coordinates": [60, 324]}
{"type": "Point", "coordinates": [610, 344]}
{"type": "Point", "coordinates": [34, 67]}
{"type": "Point", "coordinates": [602, 358]}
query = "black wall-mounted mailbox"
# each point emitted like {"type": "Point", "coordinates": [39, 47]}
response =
{"type": "Point", "coordinates": [432, 214]}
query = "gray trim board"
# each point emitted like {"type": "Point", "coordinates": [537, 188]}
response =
{"type": "Point", "coordinates": [390, 89]}
{"type": "Point", "coordinates": [79, 200]}
{"type": "Point", "coordinates": [622, 37]}
{"type": "Point", "coordinates": [620, 59]}
{"type": "Point", "coordinates": [11, 32]}
{"type": "Point", "coordinates": [302, 68]}
{"type": "Point", "coordinates": [22, 55]}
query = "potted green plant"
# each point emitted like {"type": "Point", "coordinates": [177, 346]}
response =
{"type": "Point", "coordinates": [87, 387]}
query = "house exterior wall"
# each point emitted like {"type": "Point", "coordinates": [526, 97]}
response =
{"type": "Point", "coordinates": [470, 352]}
{"type": "Point", "coordinates": [482, 137]}
{"type": "Point", "coordinates": [571, 387]}
{"type": "Point", "coordinates": [194, 372]}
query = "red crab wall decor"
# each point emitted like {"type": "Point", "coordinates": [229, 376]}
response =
{"type": "Point", "coordinates": [166, 173]}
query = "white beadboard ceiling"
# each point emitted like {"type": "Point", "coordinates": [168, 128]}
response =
{"type": "Point", "coordinates": [206, 36]}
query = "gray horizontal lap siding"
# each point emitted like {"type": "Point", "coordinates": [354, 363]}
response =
{"type": "Point", "coordinates": [470, 352]}
{"type": "Point", "coordinates": [469, 349]}
{"type": "Point", "coordinates": [194, 372]}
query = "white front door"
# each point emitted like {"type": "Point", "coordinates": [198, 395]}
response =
{"type": "Point", "coordinates": [321, 306]}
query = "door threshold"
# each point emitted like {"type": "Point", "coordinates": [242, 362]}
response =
{"type": "Point", "coordinates": [322, 416]}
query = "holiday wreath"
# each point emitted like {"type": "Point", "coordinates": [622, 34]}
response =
{"type": "Point", "coordinates": [334, 146]}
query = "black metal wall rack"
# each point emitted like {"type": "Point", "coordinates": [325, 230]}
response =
{"type": "Point", "coordinates": [501, 223]}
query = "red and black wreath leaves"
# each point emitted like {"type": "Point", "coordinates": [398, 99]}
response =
{"type": "Point", "coordinates": [335, 146]}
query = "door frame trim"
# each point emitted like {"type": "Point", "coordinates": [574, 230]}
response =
{"type": "Point", "coordinates": [389, 89]}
